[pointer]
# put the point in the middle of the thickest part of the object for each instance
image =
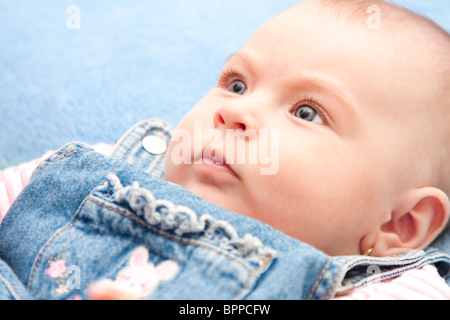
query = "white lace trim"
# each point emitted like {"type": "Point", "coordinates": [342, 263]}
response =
{"type": "Point", "coordinates": [182, 221]}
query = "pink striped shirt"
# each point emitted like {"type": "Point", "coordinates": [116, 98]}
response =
{"type": "Point", "coordinates": [420, 284]}
{"type": "Point", "coordinates": [13, 180]}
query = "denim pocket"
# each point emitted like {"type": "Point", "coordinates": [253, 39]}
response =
{"type": "Point", "coordinates": [204, 257]}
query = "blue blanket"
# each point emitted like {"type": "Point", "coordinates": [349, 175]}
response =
{"type": "Point", "coordinates": [88, 70]}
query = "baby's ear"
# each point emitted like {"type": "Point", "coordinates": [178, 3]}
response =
{"type": "Point", "coordinates": [417, 220]}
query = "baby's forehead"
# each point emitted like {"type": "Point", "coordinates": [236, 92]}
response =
{"type": "Point", "coordinates": [407, 36]}
{"type": "Point", "coordinates": [411, 35]}
{"type": "Point", "coordinates": [410, 51]}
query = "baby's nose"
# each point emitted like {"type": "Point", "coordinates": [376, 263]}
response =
{"type": "Point", "coordinates": [235, 118]}
{"type": "Point", "coordinates": [224, 120]}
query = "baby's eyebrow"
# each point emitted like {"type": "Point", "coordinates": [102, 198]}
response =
{"type": "Point", "coordinates": [231, 56]}
{"type": "Point", "coordinates": [239, 56]}
{"type": "Point", "coordinates": [243, 59]}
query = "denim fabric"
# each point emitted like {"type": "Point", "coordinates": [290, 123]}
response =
{"type": "Point", "coordinates": [10, 287]}
{"type": "Point", "coordinates": [129, 148]}
{"type": "Point", "coordinates": [85, 217]}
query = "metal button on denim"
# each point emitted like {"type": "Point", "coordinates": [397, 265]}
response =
{"type": "Point", "coordinates": [154, 145]}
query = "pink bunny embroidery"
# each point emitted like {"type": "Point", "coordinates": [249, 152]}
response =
{"type": "Point", "coordinates": [141, 277]}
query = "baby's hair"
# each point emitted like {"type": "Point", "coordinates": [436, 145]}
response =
{"type": "Point", "coordinates": [404, 23]}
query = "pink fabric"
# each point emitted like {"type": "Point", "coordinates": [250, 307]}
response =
{"type": "Point", "coordinates": [419, 284]}
{"type": "Point", "coordinates": [12, 181]}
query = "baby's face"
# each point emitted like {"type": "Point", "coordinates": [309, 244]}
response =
{"type": "Point", "coordinates": [331, 106]}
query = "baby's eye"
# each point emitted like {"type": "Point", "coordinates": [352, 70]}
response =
{"type": "Point", "coordinates": [308, 113]}
{"type": "Point", "coordinates": [237, 87]}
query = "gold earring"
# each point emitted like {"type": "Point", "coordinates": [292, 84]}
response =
{"type": "Point", "coordinates": [368, 252]}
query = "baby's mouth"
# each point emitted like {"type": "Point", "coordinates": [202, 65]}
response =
{"type": "Point", "coordinates": [215, 160]}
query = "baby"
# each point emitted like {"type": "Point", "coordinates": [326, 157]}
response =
{"type": "Point", "coordinates": [363, 152]}
{"type": "Point", "coordinates": [356, 116]}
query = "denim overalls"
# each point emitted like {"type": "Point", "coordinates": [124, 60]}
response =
{"type": "Point", "coordinates": [86, 217]}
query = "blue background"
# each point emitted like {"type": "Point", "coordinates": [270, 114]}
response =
{"type": "Point", "coordinates": [131, 60]}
